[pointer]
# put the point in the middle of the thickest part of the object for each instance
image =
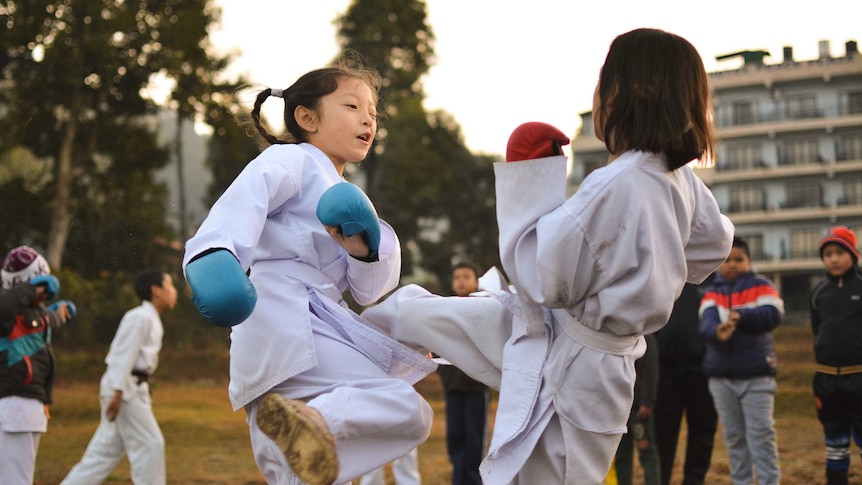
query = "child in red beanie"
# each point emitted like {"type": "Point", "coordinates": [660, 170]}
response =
{"type": "Point", "coordinates": [836, 319]}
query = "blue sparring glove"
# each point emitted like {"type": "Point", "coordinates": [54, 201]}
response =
{"type": "Point", "coordinates": [55, 307]}
{"type": "Point", "coordinates": [221, 290]}
{"type": "Point", "coordinates": [50, 283]}
{"type": "Point", "coordinates": [346, 206]}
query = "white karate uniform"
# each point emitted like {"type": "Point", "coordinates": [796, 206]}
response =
{"type": "Point", "coordinates": [22, 422]}
{"type": "Point", "coordinates": [135, 432]}
{"type": "Point", "coordinates": [593, 274]}
{"type": "Point", "coordinates": [301, 340]}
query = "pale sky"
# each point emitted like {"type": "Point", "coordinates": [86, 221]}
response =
{"type": "Point", "coordinates": [500, 63]}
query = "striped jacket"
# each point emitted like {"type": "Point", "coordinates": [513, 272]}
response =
{"type": "Point", "coordinates": [750, 351]}
{"type": "Point", "coordinates": [26, 360]}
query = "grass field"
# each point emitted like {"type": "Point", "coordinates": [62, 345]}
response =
{"type": "Point", "coordinates": [207, 443]}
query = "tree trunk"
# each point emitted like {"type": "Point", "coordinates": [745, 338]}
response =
{"type": "Point", "coordinates": [62, 216]}
{"type": "Point", "coordinates": [181, 179]}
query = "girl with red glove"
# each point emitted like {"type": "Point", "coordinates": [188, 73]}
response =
{"type": "Point", "coordinates": [590, 275]}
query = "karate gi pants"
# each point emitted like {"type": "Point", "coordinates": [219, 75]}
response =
{"type": "Point", "coordinates": [19, 457]}
{"type": "Point", "coordinates": [471, 333]}
{"type": "Point", "coordinates": [134, 432]}
{"type": "Point", "coordinates": [374, 417]}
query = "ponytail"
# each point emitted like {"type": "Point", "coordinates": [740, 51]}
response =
{"type": "Point", "coordinates": [255, 117]}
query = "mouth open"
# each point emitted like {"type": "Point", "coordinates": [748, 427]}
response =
{"type": "Point", "coordinates": [364, 137]}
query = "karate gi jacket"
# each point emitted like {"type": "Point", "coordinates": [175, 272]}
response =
{"type": "Point", "coordinates": [601, 269]}
{"type": "Point", "coordinates": [267, 219]}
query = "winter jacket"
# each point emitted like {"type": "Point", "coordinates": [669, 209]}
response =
{"type": "Point", "coordinates": [26, 360]}
{"type": "Point", "coordinates": [750, 351]}
{"type": "Point", "coordinates": [836, 319]}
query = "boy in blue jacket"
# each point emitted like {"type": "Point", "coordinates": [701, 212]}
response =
{"type": "Point", "coordinates": [737, 316]}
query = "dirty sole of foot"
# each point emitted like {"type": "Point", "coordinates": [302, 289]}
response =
{"type": "Point", "coordinates": [309, 450]}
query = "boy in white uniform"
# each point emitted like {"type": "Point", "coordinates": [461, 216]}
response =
{"type": "Point", "coordinates": [593, 273]}
{"type": "Point", "coordinates": [128, 425]}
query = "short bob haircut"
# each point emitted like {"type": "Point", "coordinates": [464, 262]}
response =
{"type": "Point", "coordinates": [661, 100]}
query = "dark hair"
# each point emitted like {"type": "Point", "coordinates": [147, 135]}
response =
{"type": "Point", "coordinates": [145, 280]}
{"type": "Point", "coordinates": [661, 100]}
{"type": "Point", "coordinates": [307, 91]}
{"type": "Point", "coordinates": [466, 264]}
{"type": "Point", "coordinates": [740, 244]}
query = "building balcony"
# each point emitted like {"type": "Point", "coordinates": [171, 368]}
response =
{"type": "Point", "coordinates": [775, 264]}
{"type": "Point", "coordinates": [727, 174]}
{"type": "Point", "coordinates": [782, 123]}
{"type": "Point", "coordinates": [835, 211]}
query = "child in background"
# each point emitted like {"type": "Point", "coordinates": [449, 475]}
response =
{"type": "Point", "coordinates": [127, 425]}
{"type": "Point", "coordinates": [27, 366]}
{"type": "Point", "coordinates": [641, 426]}
{"type": "Point", "coordinates": [683, 390]}
{"type": "Point", "coordinates": [836, 319]}
{"type": "Point", "coordinates": [467, 400]}
{"type": "Point", "coordinates": [327, 396]}
{"type": "Point", "coordinates": [592, 273]}
{"type": "Point", "coordinates": [737, 316]}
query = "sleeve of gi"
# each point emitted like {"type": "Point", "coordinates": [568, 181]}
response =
{"type": "Point", "coordinates": [130, 336]}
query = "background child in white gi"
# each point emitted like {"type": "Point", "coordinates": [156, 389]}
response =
{"type": "Point", "coordinates": [128, 425]}
{"type": "Point", "coordinates": [295, 340]}
{"type": "Point", "coordinates": [593, 273]}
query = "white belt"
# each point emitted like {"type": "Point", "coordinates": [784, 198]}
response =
{"type": "Point", "coordinates": [303, 273]}
{"type": "Point", "coordinates": [599, 341]}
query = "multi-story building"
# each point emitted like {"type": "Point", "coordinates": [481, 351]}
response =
{"type": "Point", "coordinates": [789, 158]}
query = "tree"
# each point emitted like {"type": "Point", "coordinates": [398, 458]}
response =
{"type": "Point", "coordinates": [232, 146]}
{"type": "Point", "coordinates": [422, 179]}
{"type": "Point", "coordinates": [74, 74]}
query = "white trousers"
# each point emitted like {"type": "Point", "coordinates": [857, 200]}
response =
{"type": "Point", "coordinates": [134, 432]}
{"type": "Point", "coordinates": [405, 471]}
{"type": "Point", "coordinates": [375, 418]}
{"type": "Point", "coordinates": [19, 457]}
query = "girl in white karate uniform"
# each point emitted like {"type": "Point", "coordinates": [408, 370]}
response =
{"type": "Point", "coordinates": [590, 274]}
{"type": "Point", "coordinates": [328, 397]}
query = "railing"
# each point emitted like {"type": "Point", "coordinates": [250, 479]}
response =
{"type": "Point", "coordinates": [725, 116]}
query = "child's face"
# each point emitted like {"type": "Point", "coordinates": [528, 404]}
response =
{"type": "Point", "coordinates": [836, 259]}
{"type": "Point", "coordinates": [464, 282]}
{"type": "Point", "coordinates": [345, 123]}
{"type": "Point", "coordinates": [737, 262]}
{"type": "Point", "coordinates": [164, 297]}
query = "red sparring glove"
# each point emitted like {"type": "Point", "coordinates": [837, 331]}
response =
{"type": "Point", "coordinates": [535, 140]}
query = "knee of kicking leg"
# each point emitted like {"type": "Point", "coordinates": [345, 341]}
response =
{"type": "Point", "coordinates": [418, 416]}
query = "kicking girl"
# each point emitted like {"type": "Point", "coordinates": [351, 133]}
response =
{"type": "Point", "coordinates": [590, 274]}
{"type": "Point", "coordinates": [328, 398]}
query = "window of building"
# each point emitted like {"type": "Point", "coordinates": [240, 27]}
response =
{"type": "Point", "coordinates": [852, 191]}
{"type": "Point", "coordinates": [850, 147]}
{"type": "Point", "coordinates": [854, 103]}
{"type": "Point", "coordinates": [805, 243]}
{"type": "Point", "coordinates": [747, 198]}
{"type": "Point", "coordinates": [803, 194]}
{"type": "Point", "coordinates": [802, 107]}
{"type": "Point", "coordinates": [743, 155]}
{"type": "Point", "coordinates": [796, 151]}
{"type": "Point", "coordinates": [743, 113]}
{"type": "Point", "coordinates": [755, 246]}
